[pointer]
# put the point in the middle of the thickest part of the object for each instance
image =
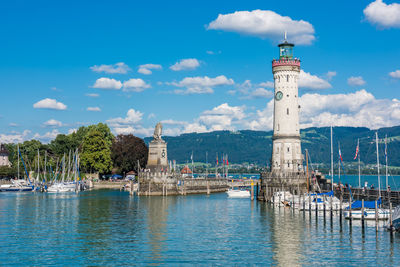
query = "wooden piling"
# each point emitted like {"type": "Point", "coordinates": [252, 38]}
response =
{"type": "Point", "coordinates": [252, 190]}
{"type": "Point", "coordinates": [376, 215]}
{"type": "Point", "coordinates": [390, 217]}
{"type": "Point", "coordinates": [208, 188]}
{"type": "Point", "coordinates": [362, 213]}
{"type": "Point", "coordinates": [350, 215]}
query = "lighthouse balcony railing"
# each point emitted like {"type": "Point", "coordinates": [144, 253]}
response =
{"type": "Point", "coordinates": [286, 62]}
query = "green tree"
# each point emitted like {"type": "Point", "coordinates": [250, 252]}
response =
{"type": "Point", "coordinates": [96, 153]}
{"type": "Point", "coordinates": [126, 151]}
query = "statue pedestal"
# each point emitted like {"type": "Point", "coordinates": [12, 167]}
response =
{"type": "Point", "coordinates": [157, 160]}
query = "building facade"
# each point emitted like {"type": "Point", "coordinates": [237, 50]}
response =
{"type": "Point", "coordinates": [4, 161]}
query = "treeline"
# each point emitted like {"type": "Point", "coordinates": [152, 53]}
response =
{"type": "Point", "coordinates": [99, 152]}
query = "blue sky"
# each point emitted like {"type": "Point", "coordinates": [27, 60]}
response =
{"type": "Point", "coordinates": [64, 64]}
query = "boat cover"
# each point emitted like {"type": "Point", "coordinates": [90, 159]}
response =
{"type": "Point", "coordinates": [367, 204]}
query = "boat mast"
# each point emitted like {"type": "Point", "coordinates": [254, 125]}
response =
{"type": "Point", "coordinates": [45, 163]}
{"type": "Point", "coordinates": [38, 166]}
{"type": "Point", "coordinates": [18, 159]}
{"type": "Point", "coordinates": [331, 157]}
{"type": "Point", "coordinates": [359, 167]}
{"type": "Point", "coordinates": [386, 159]}
{"type": "Point", "coordinates": [308, 183]}
{"type": "Point", "coordinates": [377, 161]}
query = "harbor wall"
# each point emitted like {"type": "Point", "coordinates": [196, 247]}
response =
{"type": "Point", "coordinates": [271, 182]}
{"type": "Point", "coordinates": [163, 184]}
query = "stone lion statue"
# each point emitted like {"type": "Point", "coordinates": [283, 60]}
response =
{"type": "Point", "coordinates": [157, 131]}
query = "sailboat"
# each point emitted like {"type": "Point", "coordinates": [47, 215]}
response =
{"type": "Point", "coordinates": [19, 185]}
{"type": "Point", "coordinates": [69, 184]}
{"type": "Point", "coordinates": [371, 210]}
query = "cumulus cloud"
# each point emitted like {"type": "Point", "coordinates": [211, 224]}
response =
{"type": "Point", "coordinates": [222, 117]}
{"type": "Point", "coordinates": [52, 123]}
{"type": "Point", "coordinates": [120, 68]}
{"type": "Point", "coordinates": [12, 124]}
{"type": "Point", "coordinates": [96, 109]}
{"type": "Point", "coordinates": [330, 75]}
{"type": "Point", "coordinates": [107, 83]}
{"type": "Point", "coordinates": [47, 136]}
{"type": "Point", "coordinates": [395, 74]}
{"type": "Point", "coordinates": [173, 122]}
{"type": "Point", "coordinates": [356, 81]}
{"type": "Point", "coordinates": [265, 24]}
{"type": "Point", "coordinates": [359, 109]}
{"type": "Point", "coordinates": [135, 85]}
{"type": "Point", "coordinates": [185, 64]}
{"type": "Point", "coordinates": [247, 90]}
{"type": "Point", "coordinates": [49, 103]}
{"type": "Point", "coordinates": [382, 14]}
{"type": "Point", "coordinates": [146, 68]}
{"type": "Point", "coordinates": [132, 117]}
{"type": "Point", "coordinates": [15, 137]}
{"type": "Point", "coordinates": [201, 85]}
{"type": "Point", "coordinates": [307, 80]}
{"type": "Point", "coordinates": [92, 95]}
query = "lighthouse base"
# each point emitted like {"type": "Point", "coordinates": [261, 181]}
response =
{"type": "Point", "coordinates": [271, 182]}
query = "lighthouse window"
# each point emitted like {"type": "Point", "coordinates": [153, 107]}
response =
{"type": "Point", "coordinates": [287, 111]}
{"type": "Point", "coordinates": [288, 164]}
{"type": "Point", "coordinates": [288, 149]}
{"type": "Point", "coordinates": [287, 78]}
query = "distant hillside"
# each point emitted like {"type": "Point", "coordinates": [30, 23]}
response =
{"type": "Point", "coordinates": [255, 146]}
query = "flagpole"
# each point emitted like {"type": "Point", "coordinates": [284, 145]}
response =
{"type": "Point", "coordinates": [206, 164]}
{"type": "Point", "coordinates": [192, 165]}
{"type": "Point", "coordinates": [339, 163]}
{"type": "Point", "coordinates": [332, 157]}
{"type": "Point", "coordinates": [386, 159]}
{"type": "Point", "coordinates": [359, 170]}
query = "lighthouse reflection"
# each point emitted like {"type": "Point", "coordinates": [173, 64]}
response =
{"type": "Point", "coordinates": [286, 237]}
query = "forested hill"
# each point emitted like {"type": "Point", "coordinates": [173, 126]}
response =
{"type": "Point", "coordinates": [255, 146]}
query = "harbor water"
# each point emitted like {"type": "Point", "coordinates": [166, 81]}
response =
{"type": "Point", "coordinates": [109, 227]}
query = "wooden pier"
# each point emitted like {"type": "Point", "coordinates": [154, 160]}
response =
{"type": "Point", "coordinates": [369, 194]}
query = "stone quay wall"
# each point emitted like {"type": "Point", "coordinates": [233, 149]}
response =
{"type": "Point", "coordinates": [164, 184]}
{"type": "Point", "coordinates": [271, 182]}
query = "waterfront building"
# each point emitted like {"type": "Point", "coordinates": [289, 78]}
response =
{"type": "Point", "coordinates": [286, 171]}
{"type": "Point", "coordinates": [4, 160]}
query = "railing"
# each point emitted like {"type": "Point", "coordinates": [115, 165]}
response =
{"type": "Point", "coordinates": [286, 62]}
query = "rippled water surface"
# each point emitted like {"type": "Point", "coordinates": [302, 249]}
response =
{"type": "Point", "coordinates": [106, 227]}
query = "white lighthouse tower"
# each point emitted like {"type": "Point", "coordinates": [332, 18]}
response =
{"type": "Point", "coordinates": [286, 172]}
{"type": "Point", "coordinates": [286, 148]}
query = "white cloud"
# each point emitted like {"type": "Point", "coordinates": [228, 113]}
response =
{"type": "Point", "coordinates": [173, 122]}
{"type": "Point", "coordinates": [47, 136]}
{"type": "Point", "coordinates": [330, 75]}
{"type": "Point", "coordinates": [358, 109]}
{"type": "Point", "coordinates": [52, 123]}
{"type": "Point", "coordinates": [107, 83]}
{"type": "Point", "coordinates": [201, 85]}
{"type": "Point", "coordinates": [92, 95]}
{"type": "Point", "coordinates": [267, 84]}
{"type": "Point", "coordinates": [260, 93]}
{"type": "Point", "coordinates": [382, 14]}
{"type": "Point", "coordinates": [356, 81]}
{"type": "Point", "coordinates": [97, 109]}
{"type": "Point", "coordinates": [49, 103]}
{"type": "Point", "coordinates": [12, 124]}
{"type": "Point", "coordinates": [120, 68]}
{"type": "Point", "coordinates": [132, 117]}
{"type": "Point", "coordinates": [185, 64]}
{"type": "Point", "coordinates": [395, 74]}
{"type": "Point", "coordinates": [265, 24]}
{"type": "Point", "coordinates": [14, 138]}
{"type": "Point", "coordinates": [151, 116]}
{"type": "Point", "coordinates": [135, 85]}
{"type": "Point", "coordinates": [307, 80]}
{"type": "Point", "coordinates": [139, 130]}
{"type": "Point", "coordinates": [146, 68]}
{"type": "Point", "coordinates": [73, 130]}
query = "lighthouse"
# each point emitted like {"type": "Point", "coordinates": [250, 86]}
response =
{"type": "Point", "coordinates": [286, 147]}
{"type": "Point", "coordinates": [286, 173]}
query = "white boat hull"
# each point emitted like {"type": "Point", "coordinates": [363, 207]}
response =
{"type": "Point", "coordinates": [233, 193]}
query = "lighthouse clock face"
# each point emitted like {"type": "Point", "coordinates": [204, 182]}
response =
{"type": "Point", "coordinates": [278, 95]}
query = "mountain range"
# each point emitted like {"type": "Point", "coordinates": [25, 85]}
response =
{"type": "Point", "coordinates": [248, 146]}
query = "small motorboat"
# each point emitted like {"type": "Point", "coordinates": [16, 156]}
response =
{"type": "Point", "coordinates": [16, 186]}
{"type": "Point", "coordinates": [238, 193]}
